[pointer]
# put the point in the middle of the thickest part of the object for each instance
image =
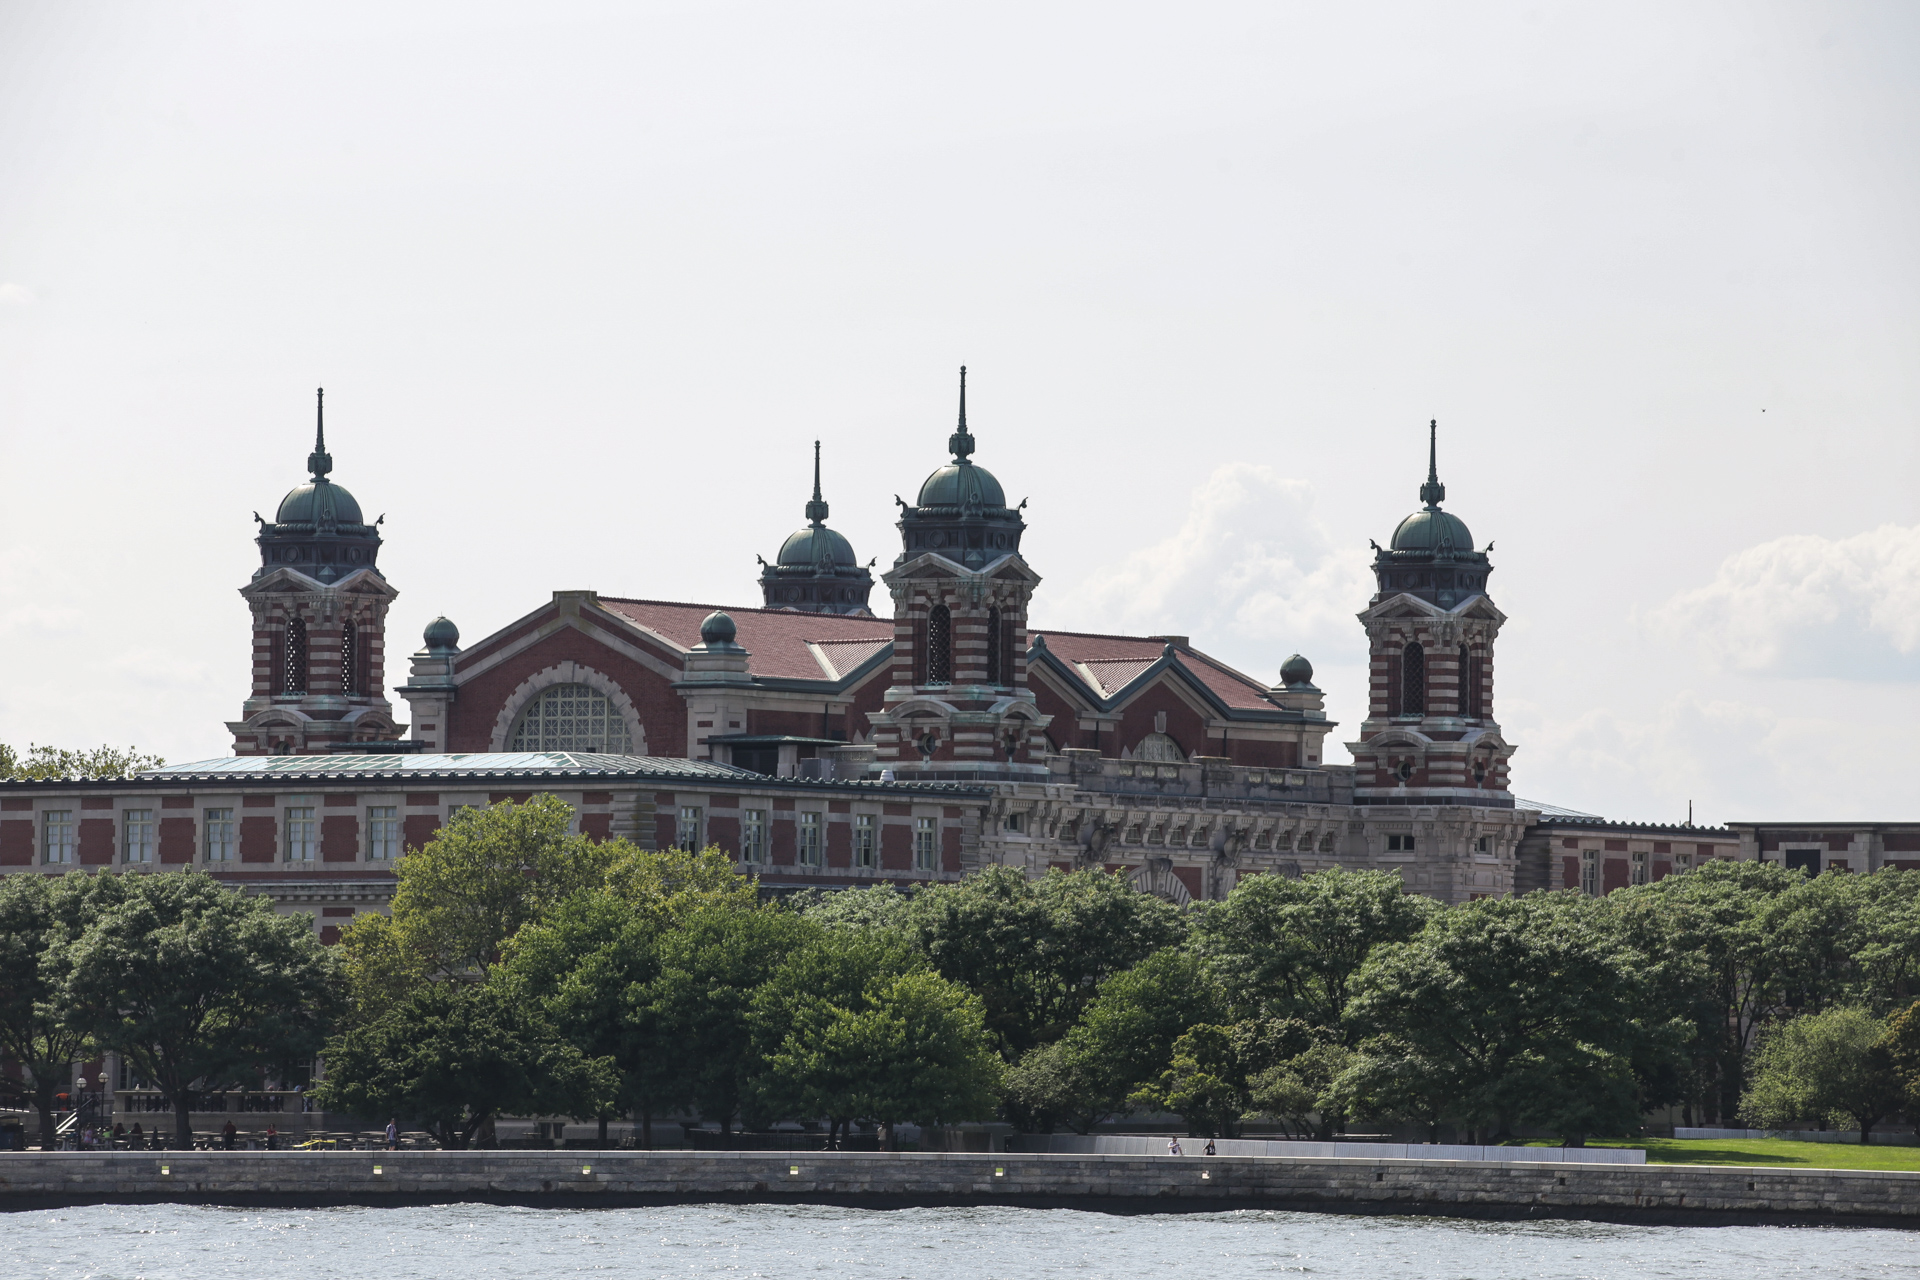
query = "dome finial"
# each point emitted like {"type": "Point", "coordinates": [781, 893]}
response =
{"type": "Point", "coordinates": [1433, 492]}
{"type": "Point", "coordinates": [319, 461]}
{"type": "Point", "coordinates": [961, 442]}
{"type": "Point", "coordinates": [817, 509]}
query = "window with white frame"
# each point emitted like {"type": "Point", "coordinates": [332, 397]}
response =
{"type": "Point", "coordinates": [1590, 872]}
{"type": "Point", "coordinates": [1682, 861]}
{"type": "Point", "coordinates": [571, 717]}
{"type": "Point", "coordinates": [136, 835]}
{"type": "Point", "coordinates": [56, 828]}
{"type": "Point", "coordinates": [863, 840]}
{"type": "Point", "coordinates": [926, 845]}
{"type": "Point", "coordinates": [383, 832]}
{"type": "Point", "coordinates": [301, 836]}
{"type": "Point", "coordinates": [1639, 868]}
{"type": "Point", "coordinates": [216, 828]}
{"type": "Point", "coordinates": [753, 835]}
{"type": "Point", "coordinates": [688, 834]}
{"type": "Point", "coordinates": [809, 839]}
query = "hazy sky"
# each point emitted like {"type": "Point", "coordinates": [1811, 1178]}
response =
{"type": "Point", "coordinates": [584, 282]}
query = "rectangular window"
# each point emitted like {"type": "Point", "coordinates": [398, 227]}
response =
{"type": "Point", "coordinates": [1399, 844]}
{"type": "Point", "coordinates": [863, 840]}
{"type": "Point", "coordinates": [383, 832]}
{"type": "Point", "coordinates": [1682, 861]}
{"type": "Point", "coordinates": [753, 835]}
{"type": "Point", "coordinates": [1015, 821]}
{"type": "Point", "coordinates": [218, 835]}
{"type": "Point", "coordinates": [809, 839]}
{"type": "Point", "coordinates": [1485, 845]}
{"type": "Point", "coordinates": [58, 835]}
{"type": "Point", "coordinates": [687, 835]}
{"type": "Point", "coordinates": [136, 838]}
{"type": "Point", "coordinates": [300, 836]}
{"type": "Point", "coordinates": [926, 847]}
{"type": "Point", "coordinates": [1639, 868]}
{"type": "Point", "coordinates": [1590, 873]}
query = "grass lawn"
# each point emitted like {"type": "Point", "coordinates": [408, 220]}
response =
{"type": "Point", "coordinates": [1782, 1151]}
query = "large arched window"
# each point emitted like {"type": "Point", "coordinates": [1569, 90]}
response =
{"type": "Point", "coordinates": [994, 660]}
{"type": "Point", "coordinates": [293, 659]}
{"type": "Point", "coordinates": [571, 717]}
{"type": "Point", "coordinates": [1158, 746]}
{"type": "Point", "coordinates": [350, 678]}
{"type": "Point", "coordinates": [939, 646]}
{"type": "Point", "coordinates": [1466, 681]}
{"type": "Point", "coordinates": [1413, 680]}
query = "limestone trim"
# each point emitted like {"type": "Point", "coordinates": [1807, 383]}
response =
{"type": "Point", "coordinates": [605, 631]}
{"type": "Point", "coordinates": [567, 673]}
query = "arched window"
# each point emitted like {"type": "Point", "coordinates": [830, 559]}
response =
{"type": "Point", "coordinates": [571, 717]}
{"type": "Point", "coordinates": [350, 681]}
{"type": "Point", "coordinates": [1413, 680]}
{"type": "Point", "coordinates": [1158, 746]}
{"type": "Point", "coordinates": [293, 666]}
{"type": "Point", "coordinates": [1466, 681]}
{"type": "Point", "coordinates": [939, 646]}
{"type": "Point", "coordinates": [994, 661]}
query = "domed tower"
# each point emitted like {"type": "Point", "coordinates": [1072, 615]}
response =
{"type": "Point", "coordinates": [319, 606]}
{"type": "Point", "coordinates": [816, 570]}
{"type": "Point", "coordinates": [1430, 736]}
{"type": "Point", "coordinates": [958, 703]}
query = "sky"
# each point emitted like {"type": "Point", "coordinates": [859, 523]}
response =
{"type": "Point", "coordinates": [584, 283]}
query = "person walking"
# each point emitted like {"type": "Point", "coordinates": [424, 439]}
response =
{"type": "Point", "coordinates": [272, 1133]}
{"type": "Point", "coordinates": [1210, 1150]}
{"type": "Point", "coordinates": [1173, 1146]}
{"type": "Point", "coordinates": [393, 1135]}
{"type": "Point", "coordinates": [228, 1134]}
{"type": "Point", "coordinates": [136, 1139]}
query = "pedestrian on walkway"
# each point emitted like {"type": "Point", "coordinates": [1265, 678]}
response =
{"type": "Point", "coordinates": [272, 1133]}
{"type": "Point", "coordinates": [228, 1134]}
{"type": "Point", "coordinates": [393, 1135]}
{"type": "Point", "coordinates": [1173, 1146]}
{"type": "Point", "coordinates": [1210, 1150]}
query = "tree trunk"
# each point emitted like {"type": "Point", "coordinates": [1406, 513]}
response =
{"type": "Point", "coordinates": [603, 1133]}
{"type": "Point", "coordinates": [646, 1125]}
{"type": "Point", "coordinates": [43, 1103]}
{"type": "Point", "coordinates": [1866, 1127]}
{"type": "Point", "coordinates": [183, 1119]}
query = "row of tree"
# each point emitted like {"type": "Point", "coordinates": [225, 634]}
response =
{"type": "Point", "coordinates": [528, 970]}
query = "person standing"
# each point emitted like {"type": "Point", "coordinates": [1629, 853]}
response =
{"type": "Point", "coordinates": [228, 1134]}
{"type": "Point", "coordinates": [1173, 1146]}
{"type": "Point", "coordinates": [393, 1135]}
{"type": "Point", "coordinates": [1210, 1150]}
{"type": "Point", "coordinates": [272, 1133]}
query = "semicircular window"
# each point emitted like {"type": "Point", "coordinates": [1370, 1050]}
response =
{"type": "Point", "coordinates": [571, 717]}
{"type": "Point", "coordinates": [1158, 746]}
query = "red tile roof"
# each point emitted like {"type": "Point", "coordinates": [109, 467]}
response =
{"type": "Point", "coordinates": [1112, 661]}
{"type": "Point", "coordinates": [777, 639]}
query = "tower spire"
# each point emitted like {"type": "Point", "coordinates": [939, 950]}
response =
{"type": "Point", "coordinates": [961, 442]}
{"type": "Point", "coordinates": [319, 462]}
{"type": "Point", "coordinates": [1433, 492]}
{"type": "Point", "coordinates": [817, 509]}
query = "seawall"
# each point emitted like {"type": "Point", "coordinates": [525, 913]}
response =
{"type": "Point", "coordinates": [1681, 1194]}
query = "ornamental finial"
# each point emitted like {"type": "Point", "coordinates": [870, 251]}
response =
{"type": "Point", "coordinates": [1433, 492]}
{"type": "Point", "coordinates": [817, 509]}
{"type": "Point", "coordinates": [319, 462]}
{"type": "Point", "coordinates": [961, 441]}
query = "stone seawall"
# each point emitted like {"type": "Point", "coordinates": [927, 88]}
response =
{"type": "Point", "coordinates": [1704, 1195]}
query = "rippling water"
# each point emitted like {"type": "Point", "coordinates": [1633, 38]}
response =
{"type": "Point", "coordinates": [477, 1242]}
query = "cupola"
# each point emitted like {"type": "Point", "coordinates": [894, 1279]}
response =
{"type": "Point", "coordinates": [1431, 554]}
{"type": "Point", "coordinates": [961, 512]}
{"type": "Point", "coordinates": [318, 529]}
{"type": "Point", "coordinates": [816, 570]}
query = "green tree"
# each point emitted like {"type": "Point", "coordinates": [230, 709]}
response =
{"type": "Point", "coordinates": [701, 1000]}
{"type": "Point", "coordinates": [879, 907]}
{"type": "Point", "coordinates": [1035, 951]}
{"type": "Point", "coordinates": [1124, 1038]}
{"type": "Point", "coordinates": [1210, 1082]}
{"type": "Point", "coordinates": [1290, 948]}
{"type": "Point", "coordinates": [1824, 1066]}
{"type": "Point", "coordinates": [1887, 939]}
{"type": "Point", "coordinates": [200, 987]}
{"type": "Point", "coordinates": [1519, 1010]}
{"type": "Point", "coordinates": [41, 918]}
{"type": "Point", "coordinates": [41, 764]}
{"type": "Point", "coordinates": [913, 1047]}
{"type": "Point", "coordinates": [1304, 1091]}
{"type": "Point", "coordinates": [1902, 1045]}
{"type": "Point", "coordinates": [452, 1056]}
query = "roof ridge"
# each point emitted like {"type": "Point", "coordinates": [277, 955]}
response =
{"type": "Point", "coordinates": [730, 608]}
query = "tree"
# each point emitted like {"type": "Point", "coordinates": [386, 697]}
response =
{"type": "Point", "coordinates": [1825, 1065]}
{"type": "Point", "coordinates": [1290, 948]}
{"type": "Point", "coordinates": [1035, 951]}
{"type": "Point", "coordinates": [453, 1056]}
{"type": "Point", "coordinates": [1902, 1044]}
{"type": "Point", "coordinates": [1516, 1010]}
{"type": "Point", "coordinates": [1211, 1080]}
{"type": "Point", "coordinates": [701, 999]}
{"type": "Point", "coordinates": [1304, 1091]}
{"type": "Point", "coordinates": [41, 917]}
{"type": "Point", "coordinates": [198, 986]}
{"type": "Point", "coordinates": [1124, 1038]}
{"type": "Point", "coordinates": [914, 1047]}
{"type": "Point", "coordinates": [880, 907]}
{"type": "Point", "coordinates": [41, 764]}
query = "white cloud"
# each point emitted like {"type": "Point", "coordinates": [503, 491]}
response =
{"type": "Point", "coordinates": [1250, 573]}
{"type": "Point", "coordinates": [16, 295]}
{"type": "Point", "coordinates": [1810, 606]}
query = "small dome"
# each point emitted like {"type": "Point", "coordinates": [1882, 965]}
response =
{"type": "Point", "coordinates": [1433, 530]}
{"type": "Point", "coordinates": [716, 629]}
{"type": "Point", "coordinates": [959, 483]}
{"type": "Point", "coordinates": [441, 634]}
{"type": "Point", "coordinates": [318, 501]}
{"type": "Point", "coordinates": [814, 544]}
{"type": "Point", "coordinates": [1296, 670]}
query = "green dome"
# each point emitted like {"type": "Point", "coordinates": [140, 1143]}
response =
{"type": "Point", "coordinates": [815, 544]}
{"type": "Point", "coordinates": [960, 483]}
{"type": "Point", "coordinates": [321, 500]}
{"type": "Point", "coordinates": [1432, 531]}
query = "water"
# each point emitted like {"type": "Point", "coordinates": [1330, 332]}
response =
{"type": "Point", "coordinates": [480, 1242]}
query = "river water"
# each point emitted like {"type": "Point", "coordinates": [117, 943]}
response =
{"type": "Point", "coordinates": [480, 1242]}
